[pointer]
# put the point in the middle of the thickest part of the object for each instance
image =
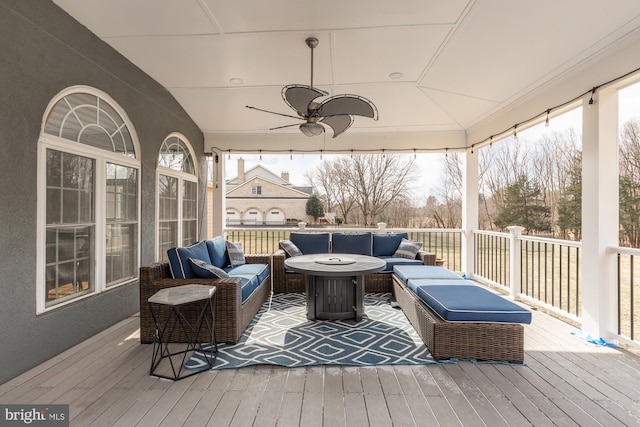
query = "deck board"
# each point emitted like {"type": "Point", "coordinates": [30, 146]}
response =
{"type": "Point", "coordinates": [565, 382]}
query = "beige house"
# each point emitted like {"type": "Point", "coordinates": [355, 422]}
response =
{"type": "Point", "coordinates": [260, 197]}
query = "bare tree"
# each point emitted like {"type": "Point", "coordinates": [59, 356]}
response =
{"type": "Point", "coordinates": [369, 181]}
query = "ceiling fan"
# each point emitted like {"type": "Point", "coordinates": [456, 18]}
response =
{"type": "Point", "coordinates": [336, 111]}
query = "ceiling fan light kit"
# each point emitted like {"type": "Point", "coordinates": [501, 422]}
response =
{"type": "Point", "coordinates": [336, 111]}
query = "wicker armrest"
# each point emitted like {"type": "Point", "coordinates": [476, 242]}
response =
{"type": "Point", "coordinates": [427, 258]}
{"type": "Point", "coordinates": [258, 259]}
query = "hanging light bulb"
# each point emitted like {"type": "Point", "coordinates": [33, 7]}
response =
{"type": "Point", "coordinates": [414, 154]}
{"type": "Point", "coordinates": [290, 155]}
{"type": "Point", "coordinates": [593, 92]}
{"type": "Point", "coordinates": [515, 131]}
{"type": "Point", "coordinates": [546, 121]}
{"type": "Point", "coordinates": [320, 154]}
{"type": "Point", "coordinates": [260, 151]}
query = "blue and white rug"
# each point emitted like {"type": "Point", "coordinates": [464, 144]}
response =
{"type": "Point", "coordinates": [280, 334]}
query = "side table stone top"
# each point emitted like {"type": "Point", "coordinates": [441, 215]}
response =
{"type": "Point", "coordinates": [182, 294]}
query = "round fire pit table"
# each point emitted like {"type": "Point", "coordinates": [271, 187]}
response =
{"type": "Point", "coordinates": [335, 283]}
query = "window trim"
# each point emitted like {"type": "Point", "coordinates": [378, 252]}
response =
{"type": "Point", "coordinates": [181, 176]}
{"type": "Point", "coordinates": [101, 158]}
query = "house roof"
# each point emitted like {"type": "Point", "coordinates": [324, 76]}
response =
{"type": "Point", "coordinates": [442, 73]}
{"type": "Point", "coordinates": [259, 171]}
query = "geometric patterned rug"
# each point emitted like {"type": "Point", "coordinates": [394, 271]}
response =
{"type": "Point", "coordinates": [280, 334]}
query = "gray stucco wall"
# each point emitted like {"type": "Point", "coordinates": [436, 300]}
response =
{"type": "Point", "coordinates": [43, 51]}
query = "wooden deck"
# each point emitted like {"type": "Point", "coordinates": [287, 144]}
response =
{"type": "Point", "coordinates": [566, 382]}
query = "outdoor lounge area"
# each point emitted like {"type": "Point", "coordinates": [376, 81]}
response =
{"type": "Point", "coordinates": [121, 122]}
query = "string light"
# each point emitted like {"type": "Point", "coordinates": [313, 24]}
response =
{"type": "Point", "coordinates": [320, 154]}
{"type": "Point", "coordinates": [491, 141]}
{"type": "Point", "coordinates": [593, 92]}
{"type": "Point", "coordinates": [414, 154]}
{"type": "Point", "coordinates": [290, 154]}
{"type": "Point", "coordinates": [260, 151]}
{"type": "Point", "coordinates": [546, 121]}
{"type": "Point", "coordinates": [515, 131]}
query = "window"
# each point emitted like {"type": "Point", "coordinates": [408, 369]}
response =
{"type": "Point", "coordinates": [88, 204]}
{"type": "Point", "coordinates": [256, 189]}
{"type": "Point", "coordinates": [177, 195]}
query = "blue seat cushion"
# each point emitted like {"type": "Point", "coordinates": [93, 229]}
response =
{"type": "Point", "coordinates": [471, 303]}
{"type": "Point", "coordinates": [311, 243]}
{"type": "Point", "coordinates": [414, 284]}
{"type": "Point", "coordinates": [217, 248]}
{"type": "Point", "coordinates": [387, 244]}
{"type": "Point", "coordinates": [352, 243]}
{"type": "Point", "coordinates": [393, 261]}
{"type": "Point", "coordinates": [406, 272]}
{"type": "Point", "coordinates": [179, 259]}
{"type": "Point", "coordinates": [250, 275]}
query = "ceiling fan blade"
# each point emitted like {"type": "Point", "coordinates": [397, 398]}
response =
{"type": "Point", "coordinates": [272, 112]}
{"type": "Point", "coordinates": [299, 97]}
{"type": "Point", "coordinates": [339, 124]}
{"type": "Point", "coordinates": [347, 104]}
{"type": "Point", "coordinates": [285, 126]}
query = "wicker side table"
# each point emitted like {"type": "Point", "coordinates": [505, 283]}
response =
{"type": "Point", "coordinates": [166, 307]}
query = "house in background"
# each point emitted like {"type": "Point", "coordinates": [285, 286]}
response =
{"type": "Point", "coordinates": [260, 197]}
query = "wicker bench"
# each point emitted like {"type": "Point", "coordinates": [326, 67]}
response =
{"type": "Point", "coordinates": [232, 315]}
{"type": "Point", "coordinates": [460, 340]}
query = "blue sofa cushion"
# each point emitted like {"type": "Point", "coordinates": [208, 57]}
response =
{"type": "Point", "coordinates": [179, 259]}
{"type": "Point", "coordinates": [387, 244]}
{"type": "Point", "coordinates": [406, 272]}
{"type": "Point", "coordinates": [407, 249]}
{"type": "Point", "coordinates": [217, 248]}
{"type": "Point", "coordinates": [236, 253]}
{"type": "Point", "coordinates": [414, 284]}
{"type": "Point", "coordinates": [311, 243]}
{"type": "Point", "coordinates": [352, 243]}
{"type": "Point", "coordinates": [250, 275]}
{"type": "Point", "coordinates": [471, 303]}
{"type": "Point", "coordinates": [207, 271]}
{"type": "Point", "coordinates": [392, 262]}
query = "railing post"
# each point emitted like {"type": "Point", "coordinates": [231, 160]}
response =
{"type": "Point", "coordinates": [382, 226]}
{"type": "Point", "coordinates": [515, 261]}
{"type": "Point", "coordinates": [302, 225]}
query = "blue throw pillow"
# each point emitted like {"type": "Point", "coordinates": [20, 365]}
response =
{"type": "Point", "coordinates": [407, 249]}
{"type": "Point", "coordinates": [207, 271]}
{"type": "Point", "coordinates": [291, 249]}
{"type": "Point", "coordinates": [236, 253]}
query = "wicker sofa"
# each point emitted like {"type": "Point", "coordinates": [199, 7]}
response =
{"type": "Point", "coordinates": [495, 333]}
{"type": "Point", "coordinates": [382, 245]}
{"type": "Point", "coordinates": [233, 312]}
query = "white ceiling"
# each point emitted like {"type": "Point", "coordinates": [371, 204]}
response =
{"type": "Point", "coordinates": [465, 64]}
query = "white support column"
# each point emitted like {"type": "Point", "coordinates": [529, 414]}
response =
{"type": "Point", "coordinates": [600, 213]}
{"type": "Point", "coordinates": [515, 261]}
{"type": "Point", "coordinates": [218, 201]}
{"type": "Point", "coordinates": [469, 209]}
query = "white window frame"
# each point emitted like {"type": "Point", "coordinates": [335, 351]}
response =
{"type": "Point", "coordinates": [101, 158]}
{"type": "Point", "coordinates": [182, 177]}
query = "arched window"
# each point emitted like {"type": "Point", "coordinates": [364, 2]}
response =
{"type": "Point", "coordinates": [88, 202]}
{"type": "Point", "coordinates": [177, 195]}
